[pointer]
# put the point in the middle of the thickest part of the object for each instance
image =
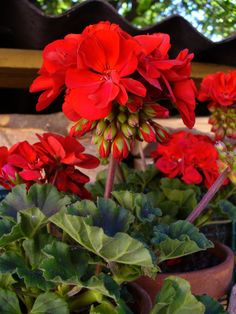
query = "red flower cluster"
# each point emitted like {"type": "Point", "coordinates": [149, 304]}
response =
{"type": "Point", "coordinates": [53, 160]}
{"type": "Point", "coordinates": [193, 157]}
{"type": "Point", "coordinates": [104, 71]}
{"type": "Point", "coordinates": [219, 89]}
{"type": "Point", "coordinates": [95, 67]}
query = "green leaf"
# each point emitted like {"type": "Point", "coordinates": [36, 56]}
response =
{"type": "Point", "coordinates": [178, 239]}
{"type": "Point", "coordinates": [103, 308]}
{"type": "Point", "coordinates": [126, 199]}
{"type": "Point", "coordinates": [104, 284]}
{"type": "Point", "coordinates": [42, 196]}
{"type": "Point", "coordinates": [64, 264]}
{"type": "Point", "coordinates": [34, 278]}
{"type": "Point", "coordinates": [121, 248]}
{"type": "Point", "coordinates": [175, 298]}
{"type": "Point", "coordinates": [145, 211]}
{"type": "Point", "coordinates": [112, 218]}
{"type": "Point", "coordinates": [30, 221]}
{"type": "Point", "coordinates": [106, 215]}
{"type": "Point", "coordinates": [9, 303]}
{"type": "Point", "coordinates": [49, 303]}
{"type": "Point", "coordinates": [33, 247]}
{"type": "Point", "coordinates": [185, 195]}
{"type": "Point", "coordinates": [67, 265]}
{"type": "Point", "coordinates": [14, 235]}
{"type": "Point", "coordinates": [11, 263]}
{"type": "Point", "coordinates": [211, 305]}
{"type": "Point", "coordinates": [228, 208]}
{"type": "Point", "coordinates": [126, 273]}
{"type": "Point", "coordinates": [83, 208]}
{"type": "Point", "coordinates": [15, 201]}
{"type": "Point", "coordinates": [6, 281]}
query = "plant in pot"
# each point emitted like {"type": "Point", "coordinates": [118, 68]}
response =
{"type": "Point", "coordinates": [113, 82]}
{"type": "Point", "coordinates": [63, 255]}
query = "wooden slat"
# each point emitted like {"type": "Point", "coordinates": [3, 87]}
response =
{"type": "Point", "coordinates": [18, 67]}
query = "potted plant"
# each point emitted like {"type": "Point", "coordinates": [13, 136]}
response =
{"type": "Point", "coordinates": [114, 95]}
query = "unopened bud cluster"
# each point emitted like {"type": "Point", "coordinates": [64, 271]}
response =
{"type": "Point", "coordinates": [227, 158]}
{"type": "Point", "coordinates": [117, 132]}
{"type": "Point", "coordinates": [223, 122]}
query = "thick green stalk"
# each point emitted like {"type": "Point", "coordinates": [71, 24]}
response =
{"type": "Point", "coordinates": [110, 177]}
{"type": "Point", "coordinates": [87, 298]}
{"type": "Point", "coordinates": [208, 196]}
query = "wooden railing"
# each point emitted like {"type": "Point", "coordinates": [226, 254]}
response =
{"type": "Point", "coordinates": [19, 67]}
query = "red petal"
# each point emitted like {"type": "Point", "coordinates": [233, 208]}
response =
{"type": "Point", "coordinates": [134, 86]}
{"type": "Point", "coordinates": [57, 147]}
{"type": "Point", "coordinates": [86, 107]}
{"type": "Point", "coordinates": [103, 43]}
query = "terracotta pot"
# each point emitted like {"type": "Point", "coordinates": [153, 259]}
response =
{"type": "Point", "coordinates": [214, 281]}
{"type": "Point", "coordinates": [143, 303]}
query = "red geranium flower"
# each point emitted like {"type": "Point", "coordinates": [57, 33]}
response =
{"type": "Point", "coordinates": [54, 160]}
{"type": "Point", "coordinates": [219, 89]}
{"type": "Point", "coordinates": [7, 172]}
{"type": "Point", "coordinates": [168, 75]}
{"type": "Point", "coordinates": [60, 156]}
{"type": "Point", "coordinates": [58, 57]}
{"type": "Point", "coordinates": [193, 157]}
{"type": "Point", "coordinates": [102, 78]}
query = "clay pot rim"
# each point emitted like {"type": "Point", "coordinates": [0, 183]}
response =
{"type": "Point", "coordinates": [229, 256]}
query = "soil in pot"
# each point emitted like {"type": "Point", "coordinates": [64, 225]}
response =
{"type": "Point", "coordinates": [208, 272]}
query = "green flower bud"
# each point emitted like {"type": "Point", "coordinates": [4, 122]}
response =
{"type": "Point", "coordinates": [110, 132]}
{"type": "Point", "coordinates": [101, 126]}
{"type": "Point", "coordinates": [122, 117]}
{"type": "Point", "coordinates": [127, 130]}
{"type": "Point", "coordinates": [80, 124]}
{"type": "Point", "coordinates": [133, 119]}
{"type": "Point", "coordinates": [96, 139]}
{"type": "Point", "coordinates": [110, 117]}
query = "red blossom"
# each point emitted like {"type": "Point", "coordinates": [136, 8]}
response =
{"type": "Point", "coordinates": [58, 57]}
{"type": "Point", "coordinates": [7, 172]}
{"type": "Point", "coordinates": [54, 159]}
{"type": "Point", "coordinates": [99, 80]}
{"type": "Point", "coordinates": [193, 157]}
{"type": "Point", "coordinates": [219, 89]}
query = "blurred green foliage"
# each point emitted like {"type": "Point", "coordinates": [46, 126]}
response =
{"type": "Point", "coordinates": [216, 19]}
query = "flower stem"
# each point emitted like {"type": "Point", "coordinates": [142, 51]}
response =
{"type": "Point", "coordinates": [110, 177]}
{"type": "Point", "coordinates": [208, 196]}
{"type": "Point", "coordinates": [144, 164]}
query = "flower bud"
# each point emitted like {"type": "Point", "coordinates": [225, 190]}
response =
{"type": "Point", "coordinates": [81, 127]}
{"type": "Point", "coordinates": [133, 119]}
{"type": "Point", "coordinates": [104, 149]}
{"type": "Point", "coordinates": [147, 132]}
{"type": "Point", "coordinates": [156, 111]}
{"type": "Point", "coordinates": [96, 139]}
{"type": "Point", "coordinates": [127, 130]}
{"type": "Point", "coordinates": [219, 133]}
{"type": "Point", "coordinates": [80, 124]}
{"type": "Point", "coordinates": [134, 104]}
{"type": "Point", "coordinates": [162, 134]}
{"type": "Point", "coordinates": [101, 126]}
{"type": "Point", "coordinates": [110, 132]}
{"type": "Point", "coordinates": [110, 117]}
{"type": "Point", "coordinates": [120, 147]}
{"type": "Point", "coordinates": [122, 117]}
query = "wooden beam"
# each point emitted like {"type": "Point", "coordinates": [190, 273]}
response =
{"type": "Point", "coordinates": [18, 67]}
